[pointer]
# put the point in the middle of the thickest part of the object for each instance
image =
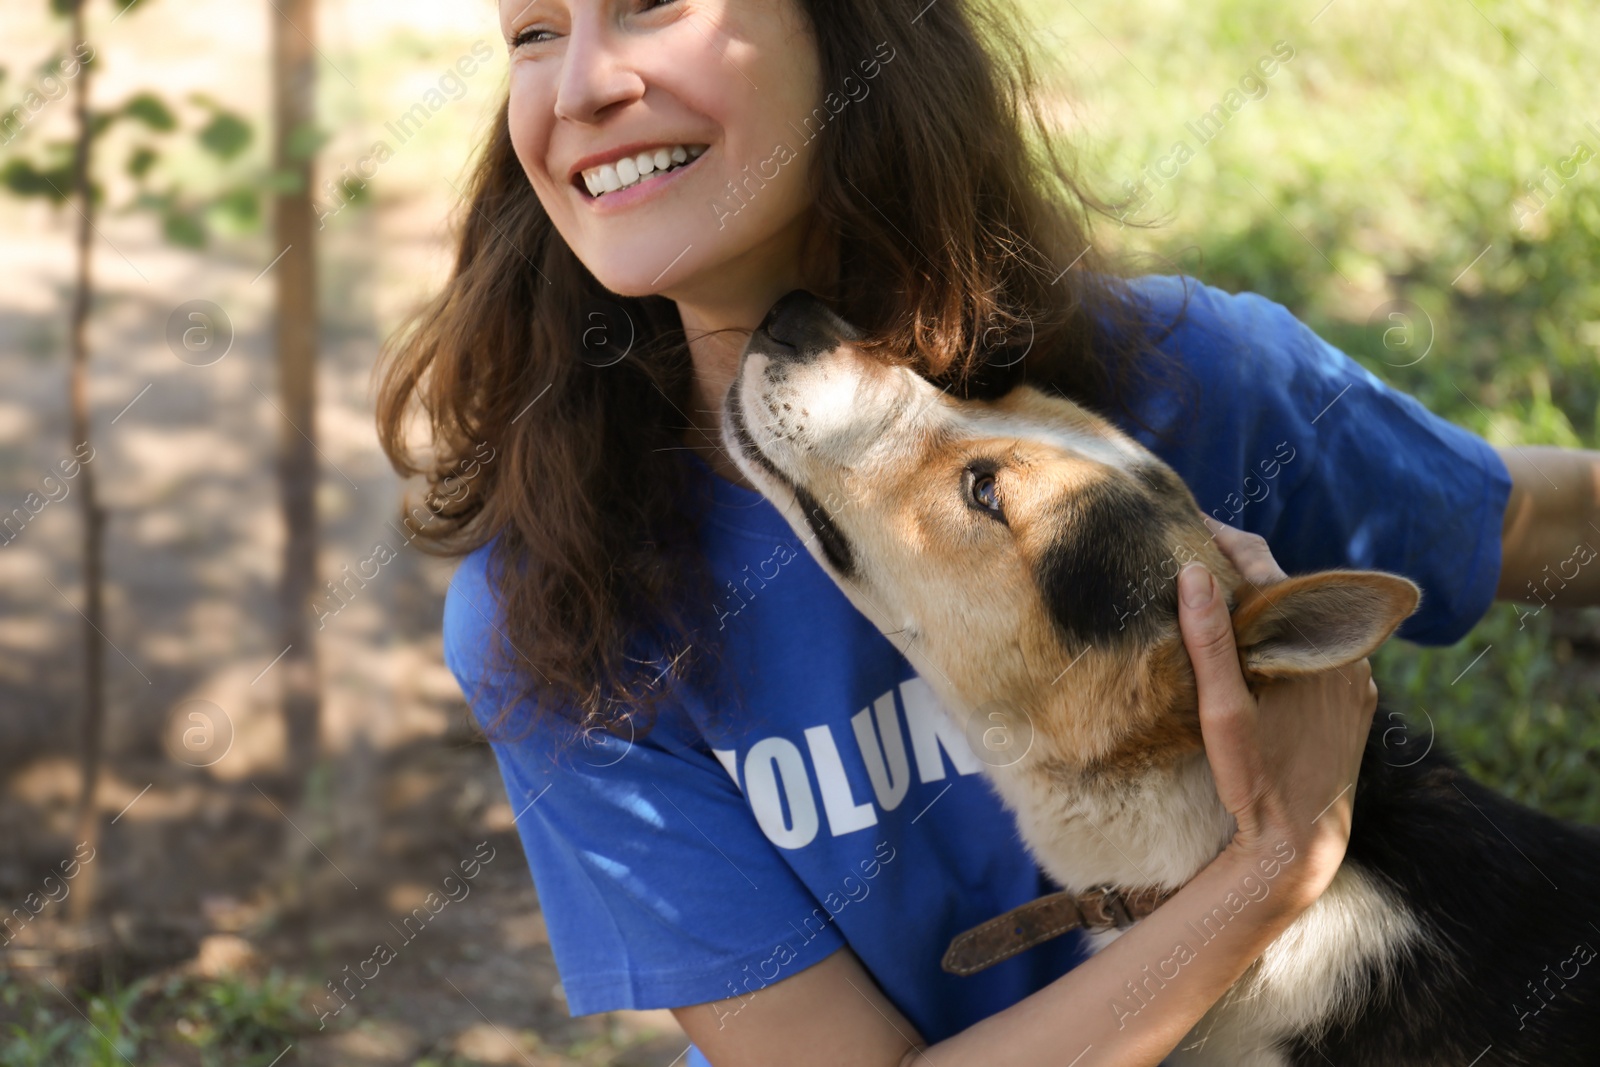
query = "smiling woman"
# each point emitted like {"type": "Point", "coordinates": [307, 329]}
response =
{"type": "Point", "coordinates": [911, 239]}
{"type": "Point", "coordinates": [659, 176]}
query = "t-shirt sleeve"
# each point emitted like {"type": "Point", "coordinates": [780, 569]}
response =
{"type": "Point", "coordinates": [657, 886]}
{"type": "Point", "coordinates": [1292, 439]}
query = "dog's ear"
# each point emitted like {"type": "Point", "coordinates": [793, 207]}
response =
{"type": "Point", "coordinates": [1319, 621]}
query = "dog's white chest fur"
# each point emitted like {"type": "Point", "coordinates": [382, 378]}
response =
{"type": "Point", "coordinates": [1160, 830]}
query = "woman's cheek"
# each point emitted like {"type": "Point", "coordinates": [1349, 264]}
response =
{"type": "Point", "coordinates": [529, 117]}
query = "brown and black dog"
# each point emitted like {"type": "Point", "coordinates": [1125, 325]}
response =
{"type": "Point", "coordinates": [995, 540]}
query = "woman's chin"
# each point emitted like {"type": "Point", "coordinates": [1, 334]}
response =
{"type": "Point", "coordinates": [645, 273]}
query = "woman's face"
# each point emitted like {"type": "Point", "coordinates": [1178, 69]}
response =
{"type": "Point", "coordinates": [666, 141]}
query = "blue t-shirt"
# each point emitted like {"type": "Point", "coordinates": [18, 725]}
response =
{"type": "Point", "coordinates": [733, 847]}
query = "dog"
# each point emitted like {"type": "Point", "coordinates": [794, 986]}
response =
{"type": "Point", "coordinates": [998, 539]}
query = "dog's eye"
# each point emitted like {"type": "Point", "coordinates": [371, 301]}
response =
{"type": "Point", "coordinates": [983, 492]}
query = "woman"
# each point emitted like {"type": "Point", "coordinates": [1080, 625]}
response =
{"type": "Point", "coordinates": [736, 799]}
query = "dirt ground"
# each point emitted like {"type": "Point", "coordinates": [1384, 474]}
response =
{"type": "Point", "coordinates": [196, 869]}
{"type": "Point", "coordinates": [203, 867]}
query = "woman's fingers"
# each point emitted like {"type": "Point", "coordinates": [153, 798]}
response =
{"type": "Point", "coordinates": [1248, 553]}
{"type": "Point", "coordinates": [1208, 635]}
{"type": "Point", "coordinates": [1228, 712]}
{"type": "Point", "coordinates": [1207, 630]}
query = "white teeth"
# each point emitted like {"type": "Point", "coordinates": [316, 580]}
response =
{"type": "Point", "coordinates": [623, 173]}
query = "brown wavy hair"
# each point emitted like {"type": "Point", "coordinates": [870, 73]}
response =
{"type": "Point", "coordinates": [961, 245]}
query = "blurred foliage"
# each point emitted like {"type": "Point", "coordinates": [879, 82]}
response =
{"type": "Point", "coordinates": [64, 7]}
{"type": "Point", "coordinates": [231, 1022]}
{"type": "Point", "coordinates": [99, 1034]}
{"type": "Point", "coordinates": [153, 126]}
{"type": "Point", "coordinates": [1507, 702]}
{"type": "Point", "coordinates": [1388, 183]}
{"type": "Point", "coordinates": [240, 1021]}
{"type": "Point", "coordinates": [150, 110]}
{"type": "Point", "coordinates": [225, 136]}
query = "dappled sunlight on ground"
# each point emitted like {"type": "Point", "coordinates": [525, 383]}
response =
{"type": "Point", "coordinates": [205, 877]}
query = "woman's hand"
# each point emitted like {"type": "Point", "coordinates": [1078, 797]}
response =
{"type": "Point", "coordinates": [1284, 760]}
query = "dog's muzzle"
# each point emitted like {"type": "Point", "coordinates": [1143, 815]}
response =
{"type": "Point", "coordinates": [798, 329]}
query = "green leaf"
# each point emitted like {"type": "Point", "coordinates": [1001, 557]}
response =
{"type": "Point", "coordinates": [305, 140]}
{"type": "Point", "coordinates": [226, 135]}
{"type": "Point", "coordinates": [240, 204]}
{"type": "Point", "coordinates": [184, 228]}
{"type": "Point", "coordinates": [353, 190]}
{"type": "Point", "coordinates": [140, 162]}
{"type": "Point", "coordinates": [51, 67]}
{"type": "Point", "coordinates": [282, 183]}
{"type": "Point", "coordinates": [61, 150]}
{"type": "Point", "coordinates": [148, 201]}
{"type": "Point", "coordinates": [25, 179]}
{"type": "Point", "coordinates": [150, 110]}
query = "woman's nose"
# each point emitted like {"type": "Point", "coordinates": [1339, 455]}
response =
{"type": "Point", "coordinates": [596, 74]}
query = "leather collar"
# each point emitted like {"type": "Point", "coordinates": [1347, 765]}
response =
{"type": "Point", "coordinates": [1033, 923]}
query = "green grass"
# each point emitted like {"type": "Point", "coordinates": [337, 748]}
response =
{"type": "Point", "coordinates": [230, 1022]}
{"type": "Point", "coordinates": [1392, 152]}
{"type": "Point", "coordinates": [1515, 717]}
{"type": "Point", "coordinates": [100, 1033]}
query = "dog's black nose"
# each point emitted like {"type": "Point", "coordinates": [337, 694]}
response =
{"type": "Point", "coordinates": [799, 327]}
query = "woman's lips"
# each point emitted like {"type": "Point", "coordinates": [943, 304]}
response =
{"type": "Point", "coordinates": [643, 189]}
{"type": "Point", "coordinates": [628, 166]}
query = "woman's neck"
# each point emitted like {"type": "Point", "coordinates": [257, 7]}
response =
{"type": "Point", "coordinates": [716, 361]}
{"type": "Point", "coordinates": [718, 316]}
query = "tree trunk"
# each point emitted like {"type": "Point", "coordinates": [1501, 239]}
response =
{"type": "Point", "coordinates": [92, 726]}
{"type": "Point", "coordinates": [294, 83]}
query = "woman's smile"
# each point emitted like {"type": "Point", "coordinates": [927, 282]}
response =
{"type": "Point", "coordinates": [633, 175]}
{"type": "Point", "coordinates": [622, 168]}
{"type": "Point", "coordinates": [617, 104]}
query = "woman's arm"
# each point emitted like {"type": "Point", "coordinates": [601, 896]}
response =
{"type": "Point", "coordinates": [835, 1014]}
{"type": "Point", "coordinates": [1284, 765]}
{"type": "Point", "coordinates": [1550, 544]}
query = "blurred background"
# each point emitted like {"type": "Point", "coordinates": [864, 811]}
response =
{"type": "Point", "coordinates": [212, 809]}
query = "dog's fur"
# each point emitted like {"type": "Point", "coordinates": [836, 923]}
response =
{"type": "Point", "coordinates": [1441, 940]}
